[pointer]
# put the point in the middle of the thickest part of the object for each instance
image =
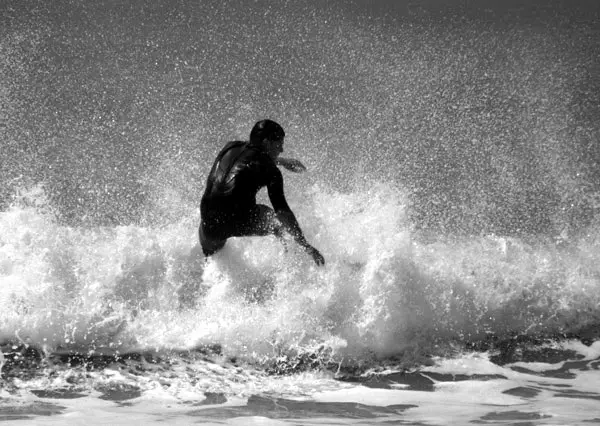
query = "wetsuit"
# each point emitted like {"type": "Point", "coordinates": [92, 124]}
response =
{"type": "Point", "coordinates": [228, 207]}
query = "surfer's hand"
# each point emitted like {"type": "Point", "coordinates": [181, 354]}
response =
{"type": "Point", "coordinates": [317, 257]}
{"type": "Point", "coordinates": [291, 164]}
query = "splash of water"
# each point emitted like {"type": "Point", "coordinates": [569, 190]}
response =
{"type": "Point", "coordinates": [453, 181]}
{"type": "Point", "coordinates": [385, 291]}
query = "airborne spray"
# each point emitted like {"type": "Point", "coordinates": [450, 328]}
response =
{"type": "Point", "coordinates": [453, 178]}
{"type": "Point", "coordinates": [453, 188]}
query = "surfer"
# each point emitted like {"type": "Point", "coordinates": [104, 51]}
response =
{"type": "Point", "coordinates": [228, 207]}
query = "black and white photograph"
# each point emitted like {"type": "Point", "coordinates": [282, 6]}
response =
{"type": "Point", "coordinates": [300, 212]}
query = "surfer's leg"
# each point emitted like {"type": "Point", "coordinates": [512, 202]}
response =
{"type": "Point", "coordinates": [261, 221]}
{"type": "Point", "coordinates": [209, 245]}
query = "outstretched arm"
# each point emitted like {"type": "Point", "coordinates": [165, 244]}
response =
{"type": "Point", "coordinates": [287, 218]}
{"type": "Point", "coordinates": [291, 164]}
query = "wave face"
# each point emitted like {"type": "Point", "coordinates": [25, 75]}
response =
{"type": "Point", "coordinates": [453, 180]}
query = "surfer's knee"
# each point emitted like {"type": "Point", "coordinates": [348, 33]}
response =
{"type": "Point", "coordinates": [260, 222]}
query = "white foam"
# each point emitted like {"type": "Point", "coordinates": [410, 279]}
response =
{"type": "Point", "coordinates": [382, 292]}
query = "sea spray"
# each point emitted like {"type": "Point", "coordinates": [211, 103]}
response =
{"type": "Point", "coordinates": [385, 290]}
{"type": "Point", "coordinates": [452, 186]}
{"type": "Point", "coordinates": [78, 287]}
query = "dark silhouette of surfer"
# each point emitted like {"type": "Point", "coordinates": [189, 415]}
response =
{"type": "Point", "coordinates": [241, 169]}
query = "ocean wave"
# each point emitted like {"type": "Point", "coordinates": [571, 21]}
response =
{"type": "Point", "coordinates": [386, 291]}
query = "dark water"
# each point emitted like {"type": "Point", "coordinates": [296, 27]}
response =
{"type": "Point", "coordinates": [486, 113]}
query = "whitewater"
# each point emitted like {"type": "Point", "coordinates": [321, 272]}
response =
{"type": "Point", "coordinates": [453, 188]}
{"type": "Point", "coordinates": [137, 313]}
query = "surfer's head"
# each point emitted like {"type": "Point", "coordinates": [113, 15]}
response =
{"type": "Point", "coordinates": [268, 135]}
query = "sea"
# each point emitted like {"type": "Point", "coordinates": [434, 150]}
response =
{"type": "Point", "coordinates": [452, 185]}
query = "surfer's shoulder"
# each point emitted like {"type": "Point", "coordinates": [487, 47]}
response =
{"type": "Point", "coordinates": [233, 144]}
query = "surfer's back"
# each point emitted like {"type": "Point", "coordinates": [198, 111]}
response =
{"type": "Point", "coordinates": [238, 173]}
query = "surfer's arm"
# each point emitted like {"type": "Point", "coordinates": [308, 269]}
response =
{"type": "Point", "coordinates": [287, 217]}
{"type": "Point", "coordinates": [291, 164]}
{"type": "Point", "coordinates": [282, 208]}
